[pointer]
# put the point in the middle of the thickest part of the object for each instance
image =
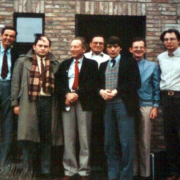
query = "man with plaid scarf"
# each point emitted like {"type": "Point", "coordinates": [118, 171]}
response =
{"type": "Point", "coordinates": [34, 102]}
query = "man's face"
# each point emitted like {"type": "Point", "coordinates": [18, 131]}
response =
{"type": "Point", "coordinates": [8, 37]}
{"type": "Point", "coordinates": [97, 45]}
{"type": "Point", "coordinates": [76, 49]}
{"type": "Point", "coordinates": [113, 50]}
{"type": "Point", "coordinates": [42, 47]}
{"type": "Point", "coordinates": [171, 42]}
{"type": "Point", "coordinates": [138, 50]}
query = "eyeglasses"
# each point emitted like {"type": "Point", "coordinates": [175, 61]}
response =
{"type": "Point", "coordinates": [100, 43]}
{"type": "Point", "coordinates": [169, 39]}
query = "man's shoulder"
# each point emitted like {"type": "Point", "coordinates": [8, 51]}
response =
{"type": "Point", "coordinates": [14, 52]}
{"type": "Point", "coordinates": [106, 55]}
{"type": "Point", "coordinates": [88, 54]}
{"type": "Point", "coordinates": [150, 63]}
{"type": "Point", "coordinates": [161, 55]}
{"type": "Point", "coordinates": [90, 61]}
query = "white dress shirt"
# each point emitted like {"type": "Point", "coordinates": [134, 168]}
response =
{"type": "Point", "coordinates": [170, 71]}
{"type": "Point", "coordinates": [99, 58]}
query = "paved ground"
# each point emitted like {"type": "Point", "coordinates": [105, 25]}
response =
{"type": "Point", "coordinates": [16, 173]}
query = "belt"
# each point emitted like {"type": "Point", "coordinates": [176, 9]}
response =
{"type": "Point", "coordinates": [171, 93]}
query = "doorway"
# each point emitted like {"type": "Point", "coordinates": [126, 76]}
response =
{"type": "Point", "coordinates": [125, 27]}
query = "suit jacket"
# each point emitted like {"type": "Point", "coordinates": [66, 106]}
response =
{"type": "Point", "coordinates": [87, 83]}
{"type": "Point", "coordinates": [14, 56]}
{"type": "Point", "coordinates": [128, 83]}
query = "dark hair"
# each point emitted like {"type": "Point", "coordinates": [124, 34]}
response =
{"type": "Point", "coordinates": [170, 31]}
{"type": "Point", "coordinates": [138, 39]}
{"type": "Point", "coordinates": [98, 35]}
{"type": "Point", "coordinates": [39, 37]}
{"type": "Point", "coordinates": [114, 40]}
{"type": "Point", "coordinates": [9, 28]}
{"type": "Point", "coordinates": [82, 39]}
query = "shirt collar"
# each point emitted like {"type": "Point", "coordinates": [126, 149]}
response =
{"type": "Point", "coordinates": [141, 61]}
{"type": "Point", "coordinates": [80, 60]}
{"type": "Point", "coordinates": [39, 58]}
{"type": "Point", "coordinates": [101, 54]}
{"type": "Point", "coordinates": [117, 58]}
{"type": "Point", "coordinates": [2, 49]}
{"type": "Point", "coordinates": [176, 52]}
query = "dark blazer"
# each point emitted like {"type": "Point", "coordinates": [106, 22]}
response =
{"type": "Point", "coordinates": [128, 83]}
{"type": "Point", "coordinates": [14, 57]}
{"type": "Point", "coordinates": [87, 82]}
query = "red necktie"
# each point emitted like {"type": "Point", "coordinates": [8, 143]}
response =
{"type": "Point", "coordinates": [76, 79]}
{"type": "Point", "coordinates": [4, 70]}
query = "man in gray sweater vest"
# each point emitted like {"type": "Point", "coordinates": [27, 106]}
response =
{"type": "Point", "coordinates": [119, 81]}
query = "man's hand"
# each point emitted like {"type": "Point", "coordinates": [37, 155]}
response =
{"type": "Point", "coordinates": [108, 94]}
{"type": "Point", "coordinates": [71, 97]}
{"type": "Point", "coordinates": [153, 113]}
{"type": "Point", "coordinates": [67, 103]}
{"type": "Point", "coordinates": [16, 110]}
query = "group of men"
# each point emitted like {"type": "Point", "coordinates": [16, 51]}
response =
{"type": "Point", "coordinates": [120, 95]}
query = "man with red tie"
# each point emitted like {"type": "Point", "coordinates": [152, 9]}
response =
{"type": "Point", "coordinates": [76, 84]}
{"type": "Point", "coordinates": [7, 59]}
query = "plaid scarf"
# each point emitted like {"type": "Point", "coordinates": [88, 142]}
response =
{"type": "Point", "coordinates": [36, 80]}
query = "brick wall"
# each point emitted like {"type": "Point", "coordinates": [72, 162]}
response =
{"type": "Point", "coordinates": [60, 26]}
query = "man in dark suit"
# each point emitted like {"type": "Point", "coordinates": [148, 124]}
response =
{"type": "Point", "coordinates": [76, 83]}
{"type": "Point", "coordinates": [118, 83]}
{"type": "Point", "coordinates": [7, 60]}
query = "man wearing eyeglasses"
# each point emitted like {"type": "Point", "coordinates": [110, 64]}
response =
{"type": "Point", "coordinates": [149, 97]}
{"type": "Point", "coordinates": [98, 157]}
{"type": "Point", "coordinates": [119, 81]}
{"type": "Point", "coordinates": [169, 62]}
{"type": "Point", "coordinates": [97, 47]}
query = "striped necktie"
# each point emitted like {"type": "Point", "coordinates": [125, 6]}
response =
{"type": "Point", "coordinates": [4, 70]}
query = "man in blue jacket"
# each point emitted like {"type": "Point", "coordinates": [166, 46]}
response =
{"type": "Point", "coordinates": [149, 96]}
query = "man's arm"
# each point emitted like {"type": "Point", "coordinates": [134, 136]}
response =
{"type": "Point", "coordinates": [130, 79]}
{"type": "Point", "coordinates": [156, 92]}
{"type": "Point", "coordinates": [16, 85]}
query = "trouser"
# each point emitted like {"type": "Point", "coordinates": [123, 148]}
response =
{"type": "Point", "coordinates": [171, 116]}
{"type": "Point", "coordinates": [6, 122]}
{"type": "Point", "coordinates": [119, 130]}
{"type": "Point", "coordinates": [44, 110]}
{"type": "Point", "coordinates": [142, 143]}
{"type": "Point", "coordinates": [76, 121]}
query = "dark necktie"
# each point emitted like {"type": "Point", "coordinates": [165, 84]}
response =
{"type": "Point", "coordinates": [113, 62]}
{"type": "Point", "coordinates": [43, 75]}
{"type": "Point", "coordinates": [76, 79]}
{"type": "Point", "coordinates": [42, 70]}
{"type": "Point", "coordinates": [4, 70]}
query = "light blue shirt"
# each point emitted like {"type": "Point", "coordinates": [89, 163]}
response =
{"type": "Point", "coordinates": [149, 93]}
{"type": "Point", "coordinates": [8, 61]}
{"type": "Point", "coordinates": [117, 59]}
